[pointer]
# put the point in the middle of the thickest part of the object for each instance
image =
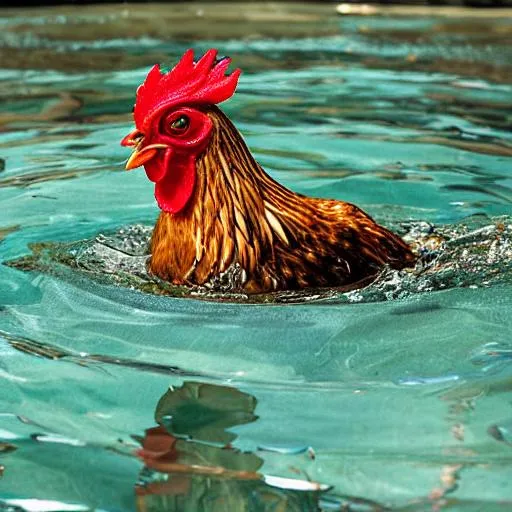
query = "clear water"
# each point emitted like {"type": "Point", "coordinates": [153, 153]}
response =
{"type": "Point", "coordinates": [403, 404]}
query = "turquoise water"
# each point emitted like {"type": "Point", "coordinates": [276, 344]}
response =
{"type": "Point", "coordinates": [404, 404]}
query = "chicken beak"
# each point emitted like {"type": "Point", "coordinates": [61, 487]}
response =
{"type": "Point", "coordinates": [140, 154]}
{"type": "Point", "coordinates": [140, 157]}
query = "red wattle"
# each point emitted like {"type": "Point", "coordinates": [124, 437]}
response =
{"type": "Point", "coordinates": [155, 168]}
{"type": "Point", "coordinates": [174, 190]}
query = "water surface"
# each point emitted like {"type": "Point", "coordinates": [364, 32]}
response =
{"type": "Point", "coordinates": [402, 404]}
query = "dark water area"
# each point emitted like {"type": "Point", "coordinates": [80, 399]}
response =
{"type": "Point", "coordinates": [466, 3]}
{"type": "Point", "coordinates": [117, 399]}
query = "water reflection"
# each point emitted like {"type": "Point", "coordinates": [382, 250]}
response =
{"type": "Point", "coordinates": [190, 463]}
{"type": "Point", "coordinates": [197, 456]}
{"type": "Point", "coordinates": [189, 460]}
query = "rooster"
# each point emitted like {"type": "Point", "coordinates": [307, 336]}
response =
{"type": "Point", "coordinates": [221, 211]}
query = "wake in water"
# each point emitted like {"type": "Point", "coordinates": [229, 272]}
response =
{"type": "Point", "coordinates": [474, 253]}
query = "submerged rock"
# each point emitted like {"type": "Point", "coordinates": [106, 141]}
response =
{"type": "Point", "coordinates": [474, 253]}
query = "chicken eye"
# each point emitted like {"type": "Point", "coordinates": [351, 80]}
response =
{"type": "Point", "coordinates": [180, 124]}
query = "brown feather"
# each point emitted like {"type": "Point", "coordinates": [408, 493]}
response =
{"type": "Point", "coordinates": [282, 240]}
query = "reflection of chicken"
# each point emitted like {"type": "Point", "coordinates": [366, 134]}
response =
{"type": "Point", "coordinates": [190, 464]}
{"type": "Point", "coordinates": [219, 207]}
{"type": "Point", "coordinates": [195, 449]}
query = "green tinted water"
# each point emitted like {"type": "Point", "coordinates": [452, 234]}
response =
{"type": "Point", "coordinates": [402, 404]}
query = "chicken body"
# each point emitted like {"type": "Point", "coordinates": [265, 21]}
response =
{"type": "Point", "coordinates": [238, 215]}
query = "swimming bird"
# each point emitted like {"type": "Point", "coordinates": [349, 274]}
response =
{"type": "Point", "coordinates": [221, 211]}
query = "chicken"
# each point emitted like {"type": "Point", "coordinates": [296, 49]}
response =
{"type": "Point", "coordinates": [221, 211]}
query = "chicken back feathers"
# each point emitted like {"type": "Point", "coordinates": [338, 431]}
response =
{"type": "Point", "coordinates": [238, 216]}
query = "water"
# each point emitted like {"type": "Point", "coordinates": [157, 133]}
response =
{"type": "Point", "coordinates": [403, 404]}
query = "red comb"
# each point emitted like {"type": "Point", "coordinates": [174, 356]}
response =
{"type": "Point", "coordinates": [204, 81]}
